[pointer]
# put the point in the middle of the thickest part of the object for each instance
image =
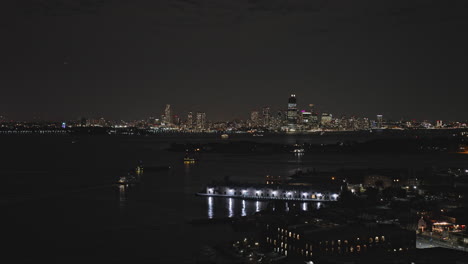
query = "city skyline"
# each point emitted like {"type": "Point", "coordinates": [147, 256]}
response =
{"type": "Point", "coordinates": [244, 114]}
{"type": "Point", "coordinates": [121, 61]}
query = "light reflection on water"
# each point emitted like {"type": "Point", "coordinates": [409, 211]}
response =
{"type": "Point", "coordinates": [231, 211]}
{"type": "Point", "coordinates": [218, 207]}
{"type": "Point", "coordinates": [210, 207]}
{"type": "Point", "coordinates": [244, 212]}
{"type": "Point", "coordinates": [122, 194]}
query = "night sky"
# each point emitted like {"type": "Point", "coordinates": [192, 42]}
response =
{"type": "Point", "coordinates": [63, 59]}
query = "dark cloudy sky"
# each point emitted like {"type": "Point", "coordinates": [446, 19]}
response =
{"type": "Point", "coordinates": [63, 59]}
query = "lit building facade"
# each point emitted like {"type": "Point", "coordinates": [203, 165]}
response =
{"type": "Point", "coordinates": [254, 119]}
{"type": "Point", "coordinates": [326, 119]}
{"type": "Point", "coordinates": [379, 121]}
{"type": "Point", "coordinates": [309, 241]}
{"type": "Point", "coordinates": [266, 116]}
{"type": "Point", "coordinates": [292, 110]}
{"type": "Point", "coordinates": [189, 123]}
{"type": "Point", "coordinates": [201, 121]}
{"type": "Point", "coordinates": [167, 115]}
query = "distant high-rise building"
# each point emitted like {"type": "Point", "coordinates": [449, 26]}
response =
{"type": "Point", "coordinates": [292, 110]}
{"type": "Point", "coordinates": [306, 117]}
{"type": "Point", "coordinates": [326, 119]}
{"type": "Point", "coordinates": [254, 118]}
{"type": "Point", "coordinates": [83, 121]}
{"type": "Point", "coordinates": [439, 123]}
{"type": "Point", "coordinates": [176, 120]}
{"type": "Point", "coordinates": [190, 120]}
{"type": "Point", "coordinates": [314, 120]}
{"type": "Point", "coordinates": [102, 122]}
{"type": "Point", "coordinates": [201, 121]}
{"type": "Point", "coordinates": [266, 116]}
{"type": "Point", "coordinates": [379, 121]}
{"type": "Point", "coordinates": [167, 115]}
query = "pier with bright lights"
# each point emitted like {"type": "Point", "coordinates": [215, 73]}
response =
{"type": "Point", "coordinates": [274, 192]}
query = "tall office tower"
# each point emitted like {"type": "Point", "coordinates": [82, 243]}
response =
{"type": "Point", "coordinates": [439, 123]}
{"type": "Point", "coordinates": [102, 122]}
{"type": "Point", "coordinates": [306, 117]}
{"type": "Point", "coordinates": [201, 121]}
{"type": "Point", "coordinates": [314, 120]}
{"type": "Point", "coordinates": [326, 119]}
{"type": "Point", "coordinates": [167, 114]}
{"type": "Point", "coordinates": [379, 121]}
{"type": "Point", "coordinates": [365, 123]}
{"type": "Point", "coordinates": [292, 110]}
{"type": "Point", "coordinates": [266, 116]}
{"type": "Point", "coordinates": [189, 120]}
{"type": "Point", "coordinates": [176, 120]}
{"type": "Point", "coordinates": [254, 119]}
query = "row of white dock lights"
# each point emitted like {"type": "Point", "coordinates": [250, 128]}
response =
{"type": "Point", "coordinates": [274, 193]}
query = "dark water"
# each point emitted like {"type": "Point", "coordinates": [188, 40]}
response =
{"type": "Point", "coordinates": [59, 204]}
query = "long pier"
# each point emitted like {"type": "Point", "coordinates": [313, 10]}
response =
{"type": "Point", "coordinates": [274, 192]}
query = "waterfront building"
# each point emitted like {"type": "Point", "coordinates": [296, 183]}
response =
{"type": "Point", "coordinates": [309, 241]}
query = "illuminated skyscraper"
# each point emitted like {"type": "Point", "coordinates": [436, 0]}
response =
{"type": "Point", "coordinates": [190, 120]}
{"type": "Point", "coordinates": [379, 121]}
{"type": "Point", "coordinates": [167, 115]}
{"type": "Point", "coordinates": [201, 121]}
{"type": "Point", "coordinates": [326, 119]}
{"type": "Point", "coordinates": [292, 110]}
{"type": "Point", "coordinates": [266, 116]}
{"type": "Point", "coordinates": [306, 117]}
{"type": "Point", "coordinates": [254, 119]}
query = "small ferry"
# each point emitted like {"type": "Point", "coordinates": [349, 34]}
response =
{"type": "Point", "coordinates": [224, 136]}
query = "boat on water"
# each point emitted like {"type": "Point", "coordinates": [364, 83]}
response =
{"type": "Point", "coordinates": [128, 179]}
{"type": "Point", "coordinates": [139, 167]}
{"type": "Point", "coordinates": [188, 159]}
{"type": "Point", "coordinates": [298, 150]}
{"type": "Point", "coordinates": [224, 136]}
